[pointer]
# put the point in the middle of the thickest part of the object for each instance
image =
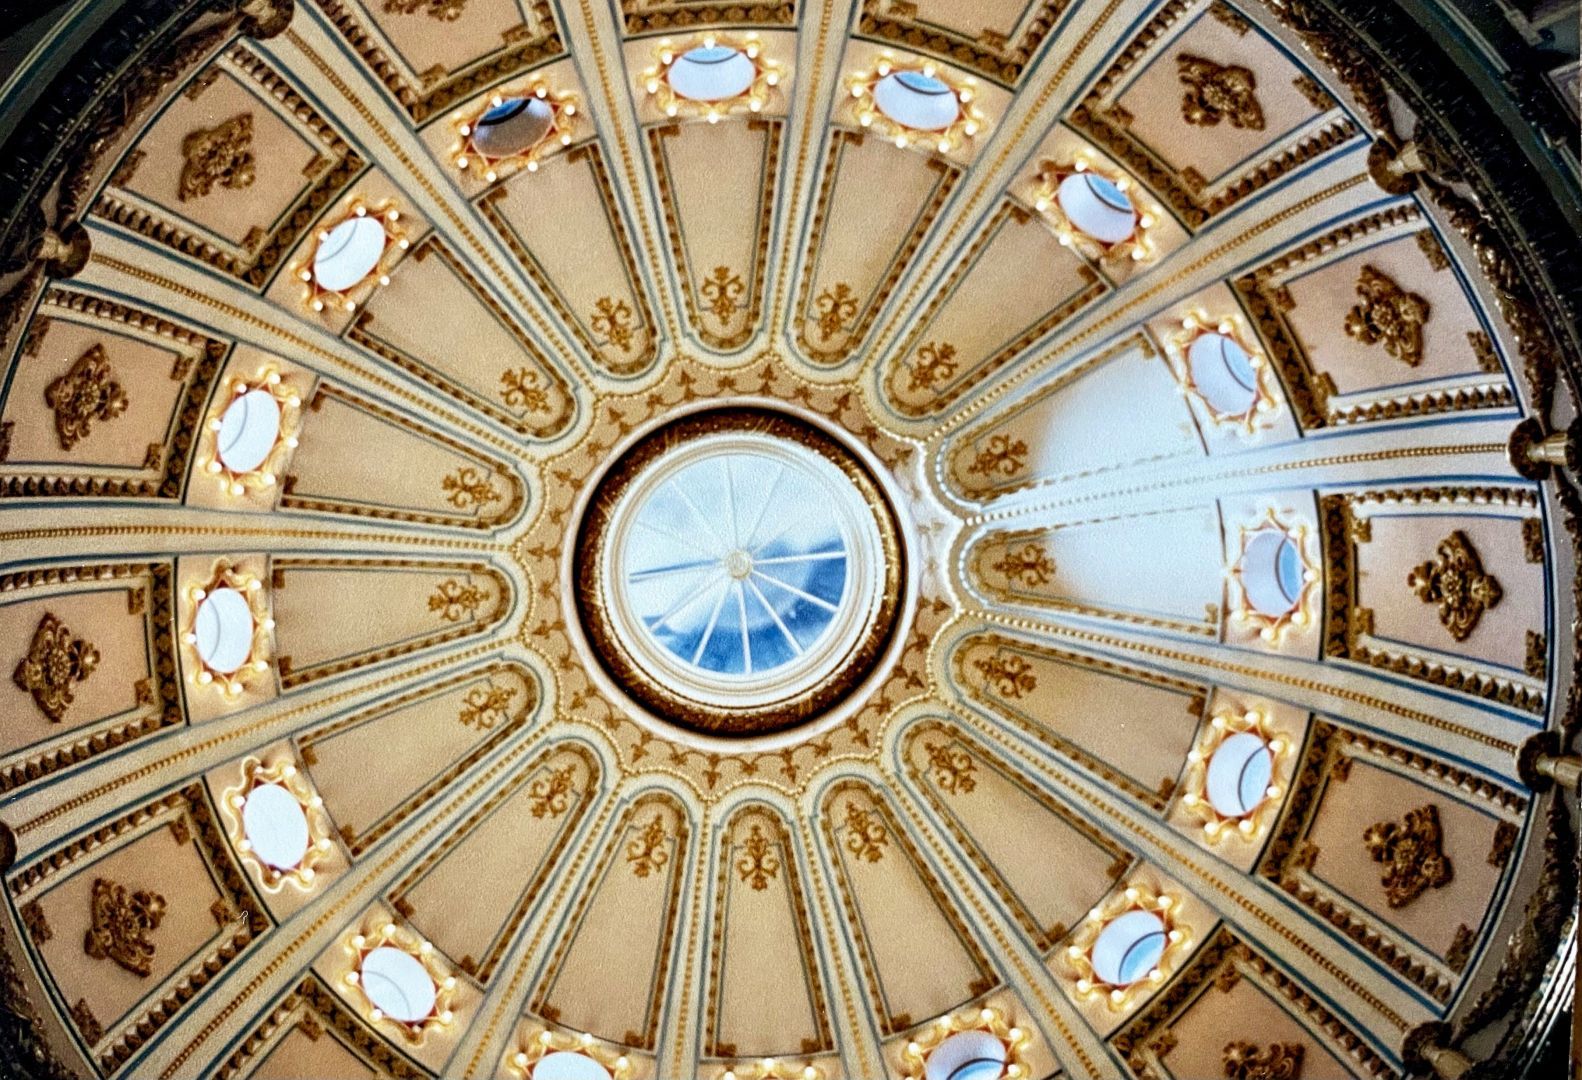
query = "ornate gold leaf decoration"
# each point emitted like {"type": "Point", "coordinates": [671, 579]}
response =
{"type": "Point", "coordinates": [455, 600]}
{"type": "Point", "coordinates": [952, 768]}
{"type": "Point", "coordinates": [1411, 854]}
{"type": "Point", "coordinates": [87, 392]}
{"type": "Point", "coordinates": [1277, 1061]}
{"type": "Point", "coordinates": [55, 662]}
{"type": "Point", "coordinates": [934, 364]}
{"type": "Point", "coordinates": [551, 795]}
{"type": "Point", "coordinates": [722, 289]}
{"type": "Point", "coordinates": [221, 155]}
{"type": "Point", "coordinates": [1216, 92]}
{"type": "Point", "coordinates": [122, 922]}
{"type": "Point", "coordinates": [1001, 456]}
{"type": "Point", "coordinates": [1454, 579]}
{"type": "Point", "coordinates": [1388, 315]}
{"type": "Point", "coordinates": [467, 487]}
{"type": "Point", "coordinates": [612, 320]}
{"type": "Point", "coordinates": [836, 308]}
{"type": "Point", "coordinates": [443, 10]}
{"type": "Point", "coordinates": [520, 389]}
{"type": "Point", "coordinates": [759, 864]}
{"type": "Point", "coordinates": [1030, 564]}
{"type": "Point", "coordinates": [866, 836]}
{"type": "Point", "coordinates": [647, 853]}
{"type": "Point", "coordinates": [87, 1023]}
{"type": "Point", "coordinates": [1008, 676]}
{"type": "Point", "coordinates": [485, 706]}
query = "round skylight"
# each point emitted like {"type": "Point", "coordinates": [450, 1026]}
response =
{"type": "Point", "coordinates": [1238, 775]}
{"type": "Point", "coordinates": [349, 253]}
{"type": "Point", "coordinates": [248, 430]}
{"type": "Point", "coordinates": [1223, 373]}
{"type": "Point", "coordinates": [1129, 947]}
{"type": "Point", "coordinates": [740, 560]}
{"type": "Point", "coordinates": [967, 1055]}
{"type": "Point", "coordinates": [712, 73]}
{"type": "Point", "coordinates": [223, 629]}
{"type": "Point", "coordinates": [1098, 207]}
{"type": "Point", "coordinates": [915, 100]}
{"type": "Point", "coordinates": [1272, 573]}
{"type": "Point", "coordinates": [398, 985]}
{"type": "Point", "coordinates": [565, 1065]}
{"type": "Point", "coordinates": [275, 826]}
{"type": "Point", "coordinates": [512, 126]}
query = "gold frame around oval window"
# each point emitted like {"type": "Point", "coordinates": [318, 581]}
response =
{"type": "Point", "coordinates": [1136, 896]}
{"type": "Point", "coordinates": [969, 123]}
{"type": "Point", "coordinates": [767, 74]}
{"type": "Point", "coordinates": [388, 214]}
{"type": "Point", "coordinates": [386, 932]}
{"type": "Point", "coordinates": [622, 667]}
{"type": "Point", "coordinates": [267, 473]}
{"type": "Point", "coordinates": [1273, 628]}
{"type": "Point", "coordinates": [1222, 725]}
{"type": "Point", "coordinates": [465, 155]}
{"type": "Point", "coordinates": [225, 575]}
{"type": "Point", "coordinates": [286, 774]}
{"type": "Point", "coordinates": [915, 1054]}
{"type": "Point", "coordinates": [1266, 402]}
{"type": "Point", "coordinates": [611, 1059]}
{"type": "Point", "coordinates": [1045, 198]}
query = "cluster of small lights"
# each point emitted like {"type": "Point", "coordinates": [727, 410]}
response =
{"type": "Point", "coordinates": [966, 125]}
{"type": "Point", "coordinates": [1079, 954]}
{"type": "Point", "coordinates": [1046, 200]}
{"type": "Point", "coordinates": [990, 1021]}
{"type": "Point", "coordinates": [1221, 726]}
{"type": "Point", "coordinates": [389, 935]}
{"type": "Point", "coordinates": [547, 1042]}
{"type": "Point", "coordinates": [767, 74]}
{"type": "Point", "coordinates": [231, 683]}
{"type": "Point", "coordinates": [1273, 626]}
{"type": "Point", "coordinates": [286, 775]}
{"type": "Point", "coordinates": [772, 1069]}
{"type": "Point", "coordinates": [470, 158]}
{"type": "Point", "coordinates": [315, 295]}
{"type": "Point", "coordinates": [266, 475]}
{"type": "Point", "coordinates": [1264, 402]}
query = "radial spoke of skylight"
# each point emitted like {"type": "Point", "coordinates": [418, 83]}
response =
{"type": "Point", "coordinates": [708, 630]}
{"type": "Point", "coordinates": [676, 568]}
{"type": "Point", "coordinates": [730, 502]}
{"type": "Point", "coordinates": [791, 640]}
{"type": "Point", "coordinates": [809, 597]}
{"type": "Point", "coordinates": [747, 645]}
{"type": "Point", "coordinates": [811, 556]}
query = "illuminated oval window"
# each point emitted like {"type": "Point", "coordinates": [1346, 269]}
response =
{"type": "Point", "coordinates": [1271, 572]}
{"type": "Point", "coordinates": [1223, 373]}
{"type": "Point", "coordinates": [275, 826]}
{"type": "Point", "coordinates": [564, 1065]}
{"type": "Point", "coordinates": [967, 1055]}
{"type": "Point", "coordinates": [349, 253]}
{"type": "Point", "coordinates": [224, 630]}
{"type": "Point", "coordinates": [1129, 948]}
{"type": "Point", "coordinates": [917, 101]}
{"type": "Point", "coordinates": [1239, 774]}
{"type": "Point", "coordinates": [1098, 207]}
{"type": "Point", "coordinates": [398, 985]}
{"type": "Point", "coordinates": [248, 431]}
{"type": "Point", "coordinates": [512, 126]}
{"type": "Point", "coordinates": [712, 73]}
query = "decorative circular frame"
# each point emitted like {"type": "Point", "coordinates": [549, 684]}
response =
{"type": "Point", "coordinates": [1272, 628]}
{"type": "Point", "coordinates": [969, 120]}
{"type": "Point", "coordinates": [1221, 726]}
{"type": "Point", "coordinates": [315, 296]}
{"type": "Point", "coordinates": [386, 933]}
{"type": "Point", "coordinates": [231, 683]}
{"type": "Point", "coordinates": [1266, 401]}
{"type": "Point", "coordinates": [1045, 196]}
{"type": "Point", "coordinates": [594, 602]}
{"type": "Point", "coordinates": [547, 1042]}
{"type": "Point", "coordinates": [267, 474]}
{"type": "Point", "coordinates": [470, 159]}
{"type": "Point", "coordinates": [767, 74]}
{"type": "Point", "coordinates": [1137, 896]}
{"type": "Point", "coordinates": [914, 1055]}
{"type": "Point", "coordinates": [285, 774]}
{"type": "Point", "coordinates": [771, 1068]}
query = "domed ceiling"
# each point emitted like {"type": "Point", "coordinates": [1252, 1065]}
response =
{"type": "Point", "coordinates": [823, 539]}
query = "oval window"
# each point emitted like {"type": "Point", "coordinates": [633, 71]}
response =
{"type": "Point", "coordinates": [915, 100]}
{"type": "Point", "coordinates": [514, 125]}
{"type": "Point", "coordinates": [1238, 775]}
{"type": "Point", "coordinates": [1223, 373]}
{"type": "Point", "coordinates": [1271, 573]}
{"type": "Point", "coordinates": [967, 1055]}
{"type": "Point", "coordinates": [223, 629]}
{"type": "Point", "coordinates": [398, 985]}
{"type": "Point", "coordinates": [564, 1065]}
{"type": "Point", "coordinates": [349, 253]}
{"type": "Point", "coordinates": [248, 431]}
{"type": "Point", "coordinates": [275, 826]}
{"type": "Point", "coordinates": [1129, 948]}
{"type": "Point", "coordinates": [712, 73]}
{"type": "Point", "coordinates": [1098, 207]}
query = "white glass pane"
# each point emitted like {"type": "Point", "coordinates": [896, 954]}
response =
{"type": "Point", "coordinates": [398, 984]}
{"type": "Point", "coordinates": [1271, 573]}
{"type": "Point", "coordinates": [248, 431]}
{"type": "Point", "coordinates": [563, 1065]}
{"type": "Point", "coordinates": [224, 629]}
{"type": "Point", "coordinates": [1238, 775]}
{"type": "Point", "coordinates": [712, 74]}
{"type": "Point", "coordinates": [349, 253]}
{"type": "Point", "coordinates": [1223, 373]}
{"type": "Point", "coordinates": [916, 101]}
{"type": "Point", "coordinates": [275, 826]}
{"type": "Point", "coordinates": [967, 1055]}
{"type": "Point", "coordinates": [1097, 207]}
{"type": "Point", "coordinates": [1129, 948]}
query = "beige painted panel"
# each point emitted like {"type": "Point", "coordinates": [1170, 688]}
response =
{"type": "Point", "coordinates": [300, 1055]}
{"type": "Point", "coordinates": [433, 41]}
{"type": "Point", "coordinates": [971, 20]}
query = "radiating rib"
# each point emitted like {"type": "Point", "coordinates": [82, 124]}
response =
{"type": "Point", "coordinates": [809, 597]}
{"type": "Point", "coordinates": [775, 615]}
